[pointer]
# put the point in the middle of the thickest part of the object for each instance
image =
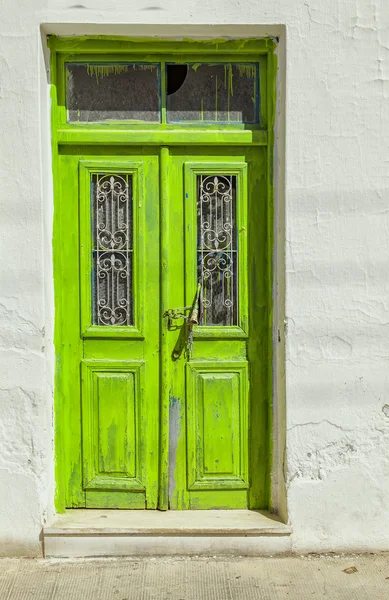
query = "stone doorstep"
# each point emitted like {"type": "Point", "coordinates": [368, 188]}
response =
{"type": "Point", "coordinates": [82, 533]}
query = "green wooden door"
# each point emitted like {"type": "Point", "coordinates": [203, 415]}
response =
{"type": "Point", "coordinates": [158, 413]}
{"type": "Point", "coordinates": [108, 230]}
{"type": "Point", "coordinates": [216, 237]}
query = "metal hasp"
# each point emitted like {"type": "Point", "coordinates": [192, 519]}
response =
{"type": "Point", "coordinates": [179, 313]}
{"type": "Point", "coordinates": [192, 319]}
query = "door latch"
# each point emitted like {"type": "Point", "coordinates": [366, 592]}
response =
{"type": "Point", "coordinates": [176, 313]}
{"type": "Point", "coordinates": [179, 313]}
{"type": "Point", "coordinates": [191, 319]}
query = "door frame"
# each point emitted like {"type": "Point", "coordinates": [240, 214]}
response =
{"type": "Point", "coordinates": [162, 136]}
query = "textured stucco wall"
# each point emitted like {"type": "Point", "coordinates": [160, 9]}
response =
{"type": "Point", "coordinates": [336, 118]}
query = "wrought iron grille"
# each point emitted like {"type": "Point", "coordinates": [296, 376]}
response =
{"type": "Point", "coordinates": [217, 248]}
{"type": "Point", "coordinates": [112, 249]}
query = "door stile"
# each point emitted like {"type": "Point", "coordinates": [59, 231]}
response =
{"type": "Point", "coordinates": [177, 335]}
{"type": "Point", "coordinates": [165, 359]}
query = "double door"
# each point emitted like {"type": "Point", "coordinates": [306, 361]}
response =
{"type": "Point", "coordinates": [163, 327]}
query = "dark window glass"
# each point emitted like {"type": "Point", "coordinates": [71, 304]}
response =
{"type": "Point", "coordinates": [221, 93]}
{"type": "Point", "coordinates": [97, 92]}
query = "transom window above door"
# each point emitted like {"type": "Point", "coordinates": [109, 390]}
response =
{"type": "Point", "coordinates": [170, 93]}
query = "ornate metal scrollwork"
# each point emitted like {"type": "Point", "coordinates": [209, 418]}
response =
{"type": "Point", "coordinates": [112, 252]}
{"type": "Point", "coordinates": [217, 249]}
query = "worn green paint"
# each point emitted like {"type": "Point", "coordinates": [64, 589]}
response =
{"type": "Point", "coordinates": [171, 448]}
{"type": "Point", "coordinates": [203, 135]}
{"type": "Point", "coordinates": [138, 343]}
{"type": "Point", "coordinates": [113, 429]}
{"type": "Point", "coordinates": [167, 272]}
{"type": "Point", "coordinates": [217, 416]}
{"type": "Point", "coordinates": [146, 46]}
{"type": "Point", "coordinates": [220, 347]}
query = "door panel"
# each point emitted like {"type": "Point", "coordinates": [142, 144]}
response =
{"type": "Point", "coordinates": [112, 426]}
{"type": "Point", "coordinates": [113, 335]}
{"type": "Point", "coordinates": [219, 407]}
{"type": "Point", "coordinates": [217, 425]}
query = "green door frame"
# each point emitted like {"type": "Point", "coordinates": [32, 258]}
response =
{"type": "Point", "coordinates": [105, 50]}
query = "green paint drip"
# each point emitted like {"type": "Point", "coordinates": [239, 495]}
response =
{"type": "Point", "coordinates": [144, 67]}
{"type": "Point", "coordinates": [228, 75]}
{"type": "Point", "coordinates": [228, 85]}
{"type": "Point", "coordinates": [216, 100]}
{"type": "Point", "coordinates": [249, 70]}
{"type": "Point", "coordinates": [100, 71]}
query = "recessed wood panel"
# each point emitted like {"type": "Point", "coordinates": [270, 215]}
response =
{"type": "Point", "coordinates": [220, 421]}
{"type": "Point", "coordinates": [116, 423]}
{"type": "Point", "coordinates": [217, 425]}
{"type": "Point", "coordinates": [111, 414]}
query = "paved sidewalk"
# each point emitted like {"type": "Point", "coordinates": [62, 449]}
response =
{"type": "Point", "coordinates": [197, 578]}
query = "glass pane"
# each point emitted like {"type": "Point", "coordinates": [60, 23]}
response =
{"type": "Point", "coordinates": [111, 200]}
{"type": "Point", "coordinates": [98, 92]}
{"type": "Point", "coordinates": [217, 248]}
{"type": "Point", "coordinates": [222, 93]}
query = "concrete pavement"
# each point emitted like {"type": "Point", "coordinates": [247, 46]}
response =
{"type": "Point", "coordinates": [289, 577]}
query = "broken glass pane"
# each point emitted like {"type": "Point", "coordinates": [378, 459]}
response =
{"type": "Point", "coordinates": [221, 93]}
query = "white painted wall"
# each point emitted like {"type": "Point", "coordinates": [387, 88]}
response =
{"type": "Point", "coordinates": [336, 117]}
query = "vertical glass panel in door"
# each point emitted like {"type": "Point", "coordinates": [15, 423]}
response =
{"type": "Point", "coordinates": [98, 92]}
{"type": "Point", "coordinates": [111, 203]}
{"type": "Point", "coordinates": [221, 93]}
{"type": "Point", "coordinates": [217, 249]}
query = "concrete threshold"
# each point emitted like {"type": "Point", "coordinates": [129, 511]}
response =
{"type": "Point", "coordinates": [85, 533]}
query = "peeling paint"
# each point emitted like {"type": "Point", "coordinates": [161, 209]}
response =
{"type": "Point", "coordinates": [174, 434]}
